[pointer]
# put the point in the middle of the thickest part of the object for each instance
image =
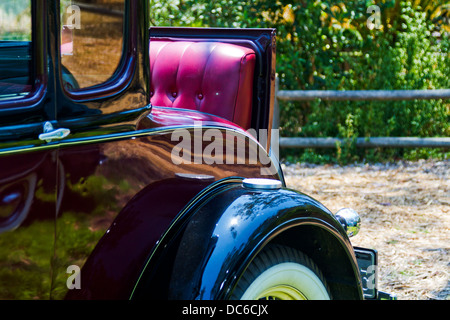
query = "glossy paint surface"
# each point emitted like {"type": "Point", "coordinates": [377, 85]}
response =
{"type": "Point", "coordinates": [90, 216]}
{"type": "Point", "coordinates": [27, 212]}
{"type": "Point", "coordinates": [99, 200]}
{"type": "Point", "coordinates": [138, 179]}
{"type": "Point", "coordinates": [28, 196]}
{"type": "Point", "coordinates": [217, 238]}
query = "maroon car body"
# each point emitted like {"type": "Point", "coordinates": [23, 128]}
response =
{"type": "Point", "coordinates": [101, 191]}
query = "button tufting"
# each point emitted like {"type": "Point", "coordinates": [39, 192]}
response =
{"type": "Point", "coordinates": [191, 81]}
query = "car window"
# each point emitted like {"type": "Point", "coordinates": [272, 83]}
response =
{"type": "Point", "coordinates": [91, 41]}
{"type": "Point", "coordinates": [15, 48]}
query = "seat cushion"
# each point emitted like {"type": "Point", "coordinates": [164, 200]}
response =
{"type": "Point", "coordinates": [210, 77]}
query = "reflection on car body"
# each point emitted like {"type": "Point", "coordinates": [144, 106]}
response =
{"type": "Point", "coordinates": [88, 179]}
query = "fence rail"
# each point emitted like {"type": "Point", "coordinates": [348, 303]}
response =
{"type": "Point", "coordinates": [359, 95]}
{"type": "Point", "coordinates": [376, 142]}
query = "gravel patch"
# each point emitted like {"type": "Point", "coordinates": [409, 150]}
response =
{"type": "Point", "coordinates": [404, 208]}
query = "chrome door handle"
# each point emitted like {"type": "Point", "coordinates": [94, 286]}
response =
{"type": "Point", "coordinates": [51, 134]}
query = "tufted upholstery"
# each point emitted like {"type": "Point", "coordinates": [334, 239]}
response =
{"type": "Point", "coordinates": [211, 77]}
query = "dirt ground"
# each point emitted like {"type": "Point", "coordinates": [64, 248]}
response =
{"type": "Point", "coordinates": [404, 209]}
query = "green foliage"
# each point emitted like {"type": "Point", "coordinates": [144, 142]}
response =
{"type": "Point", "coordinates": [25, 266]}
{"type": "Point", "coordinates": [15, 20]}
{"type": "Point", "coordinates": [327, 45]}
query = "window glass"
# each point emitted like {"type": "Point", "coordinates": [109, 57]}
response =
{"type": "Point", "coordinates": [91, 41]}
{"type": "Point", "coordinates": [15, 48]}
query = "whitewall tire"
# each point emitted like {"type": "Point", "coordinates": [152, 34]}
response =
{"type": "Point", "coordinates": [282, 273]}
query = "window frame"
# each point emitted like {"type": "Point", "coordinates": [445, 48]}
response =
{"type": "Point", "coordinates": [123, 74]}
{"type": "Point", "coordinates": [38, 75]}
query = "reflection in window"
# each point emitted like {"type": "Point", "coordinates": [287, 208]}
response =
{"type": "Point", "coordinates": [91, 41]}
{"type": "Point", "coordinates": [15, 20]}
{"type": "Point", "coordinates": [15, 48]}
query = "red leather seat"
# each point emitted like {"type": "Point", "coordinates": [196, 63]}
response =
{"type": "Point", "coordinates": [211, 77]}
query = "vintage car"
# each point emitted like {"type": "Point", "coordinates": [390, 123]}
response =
{"type": "Point", "coordinates": [141, 163]}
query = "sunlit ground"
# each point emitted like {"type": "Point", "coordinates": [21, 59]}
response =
{"type": "Point", "coordinates": [404, 209]}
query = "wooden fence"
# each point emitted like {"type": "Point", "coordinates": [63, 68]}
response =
{"type": "Point", "coordinates": [359, 95]}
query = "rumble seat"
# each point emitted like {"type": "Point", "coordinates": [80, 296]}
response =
{"type": "Point", "coordinates": [211, 77]}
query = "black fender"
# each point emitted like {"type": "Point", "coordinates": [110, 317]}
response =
{"type": "Point", "coordinates": [211, 243]}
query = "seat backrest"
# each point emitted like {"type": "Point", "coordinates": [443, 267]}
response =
{"type": "Point", "coordinates": [212, 77]}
